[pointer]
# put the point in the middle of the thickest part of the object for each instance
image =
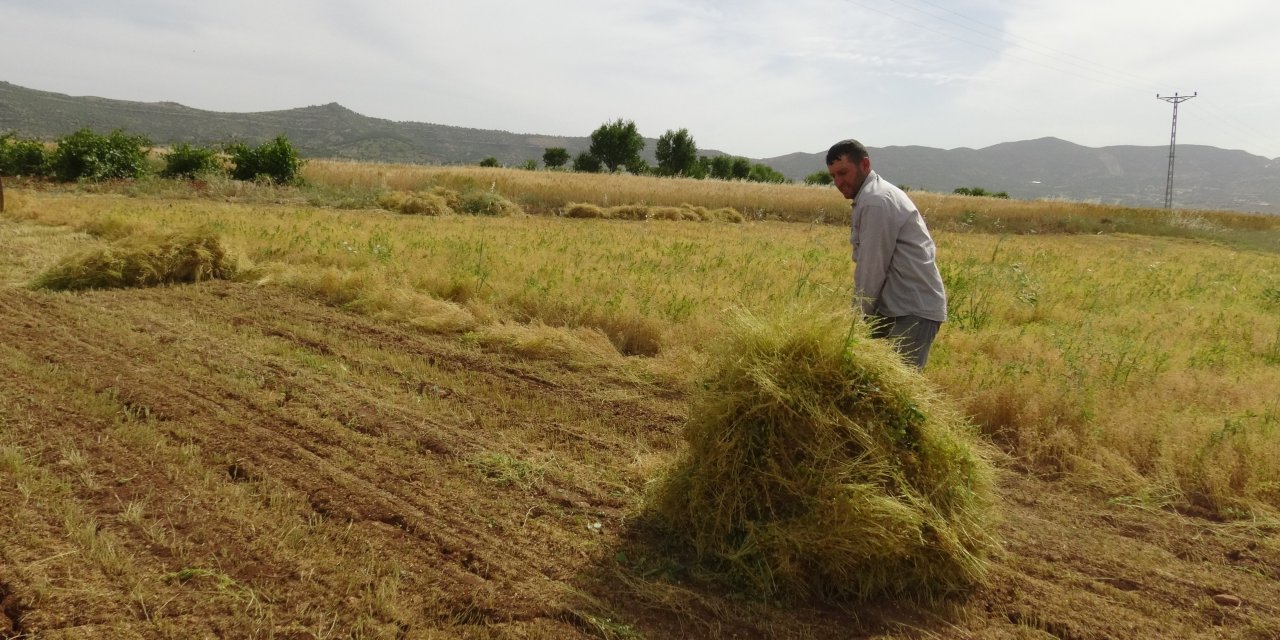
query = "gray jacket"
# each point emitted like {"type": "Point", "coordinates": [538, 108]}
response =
{"type": "Point", "coordinates": [895, 272]}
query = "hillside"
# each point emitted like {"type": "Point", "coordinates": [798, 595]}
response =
{"type": "Point", "coordinates": [1206, 177]}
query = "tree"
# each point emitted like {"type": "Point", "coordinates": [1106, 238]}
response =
{"type": "Point", "coordinates": [741, 168]}
{"type": "Point", "coordinates": [819, 177]}
{"type": "Point", "coordinates": [617, 144]}
{"type": "Point", "coordinates": [677, 153]}
{"type": "Point", "coordinates": [722, 167]}
{"type": "Point", "coordinates": [555, 157]}
{"type": "Point", "coordinates": [587, 163]}
{"type": "Point", "coordinates": [765, 173]}
{"type": "Point", "coordinates": [490, 162]}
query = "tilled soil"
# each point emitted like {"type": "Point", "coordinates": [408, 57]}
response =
{"type": "Point", "coordinates": [226, 460]}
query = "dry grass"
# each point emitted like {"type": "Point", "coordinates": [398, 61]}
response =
{"type": "Point", "coordinates": [183, 257]}
{"type": "Point", "coordinates": [819, 465]}
{"type": "Point", "coordinates": [1138, 364]}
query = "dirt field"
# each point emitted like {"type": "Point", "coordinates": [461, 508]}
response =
{"type": "Point", "coordinates": [225, 460]}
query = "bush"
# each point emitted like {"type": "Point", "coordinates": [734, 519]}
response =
{"type": "Point", "coordinates": [22, 157]}
{"type": "Point", "coordinates": [276, 160]}
{"type": "Point", "coordinates": [820, 466]}
{"type": "Point", "coordinates": [979, 191]}
{"type": "Point", "coordinates": [141, 262]}
{"type": "Point", "coordinates": [85, 155]}
{"type": "Point", "coordinates": [186, 161]}
{"type": "Point", "coordinates": [819, 177]}
{"type": "Point", "coordinates": [490, 162]}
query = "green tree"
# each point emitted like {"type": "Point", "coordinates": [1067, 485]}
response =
{"type": "Point", "coordinates": [186, 161]}
{"type": "Point", "coordinates": [722, 167]}
{"type": "Point", "coordinates": [490, 162]}
{"type": "Point", "coordinates": [741, 168]}
{"type": "Point", "coordinates": [819, 177]}
{"type": "Point", "coordinates": [765, 173]}
{"type": "Point", "coordinates": [677, 153]}
{"type": "Point", "coordinates": [555, 157]}
{"type": "Point", "coordinates": [587, 163]}
{"type": "Point", "coordinates": [276, 160]}
{"type": "Point", "coordinates": [529, 165]}
{"type": "Point", "coordinates": [617, 144]}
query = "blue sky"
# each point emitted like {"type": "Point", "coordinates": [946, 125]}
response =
{"type": "Point", "coordinates": [758, 79]}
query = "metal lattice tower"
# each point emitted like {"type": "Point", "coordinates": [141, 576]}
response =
{"type": "Point", "coordinates": [1173, 138]}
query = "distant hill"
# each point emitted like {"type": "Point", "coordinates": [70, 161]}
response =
{"type": "Point", "coordinates": [1206, 177]}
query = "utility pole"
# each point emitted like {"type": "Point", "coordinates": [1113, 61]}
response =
{"type": "Point", "coordinates": [1173, 137]}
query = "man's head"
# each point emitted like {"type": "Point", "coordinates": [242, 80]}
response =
{"type": "Point", "coordinates": [849, 165]}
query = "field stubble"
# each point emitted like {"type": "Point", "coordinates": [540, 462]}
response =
{"type": "Point", "coordinates": [1141, 366]}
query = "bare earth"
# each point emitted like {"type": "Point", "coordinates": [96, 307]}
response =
{"type": "Point", "coordinates": [225, 460]}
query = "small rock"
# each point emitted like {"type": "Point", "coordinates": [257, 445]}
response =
{"type": "Point", "coordinates": [1227, 600]}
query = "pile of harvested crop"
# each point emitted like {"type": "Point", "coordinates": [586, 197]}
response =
{"type": "Point", "coordinates": [819, 466]}
{"type": "Point", "coordinates": [145, 261]}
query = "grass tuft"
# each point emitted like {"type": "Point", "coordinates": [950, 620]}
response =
{"type": "Point", "coordinates": [142, 262]}
{"type": "Point", "coordinates": [819, 466]}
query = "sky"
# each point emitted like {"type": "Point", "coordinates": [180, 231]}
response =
{"type": "Point", "coordinates": [750, 78]}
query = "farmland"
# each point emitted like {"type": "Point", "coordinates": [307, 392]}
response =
{"type": "Point", "coordinates": [391, 425]}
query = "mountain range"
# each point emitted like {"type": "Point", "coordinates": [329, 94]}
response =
{"type": "Point", "coordinates": [1205, 178]}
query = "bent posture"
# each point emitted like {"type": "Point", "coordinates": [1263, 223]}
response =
{"type": "Point", "coordinates": [896, 281]}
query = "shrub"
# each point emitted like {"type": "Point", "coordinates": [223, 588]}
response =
{"type": "Point", "coordinates": [85, 155]}
{"type": "Point", "coordinates": [276, 160]}
{"type": "Point", "coordinates": [141, 262]}
{"type": "Point", "coordinates": [819, 177]}
{"type": "Point", "coordinates": [22, 157]}
{"type": "Point", "coordinates": [490, 162]}
{"type": "Point", "coordinates": [186, 161]}
{"type": "Point", "coordinates": [819, 465]}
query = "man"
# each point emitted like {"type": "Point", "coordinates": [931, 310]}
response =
{"type": "Point", "coordinates": [896, 281]}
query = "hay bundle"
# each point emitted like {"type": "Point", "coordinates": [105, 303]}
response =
{"type": "Point", "coordinates": [142, 262]}
{"type": "Point", "coordinates": [819, 466]}
{"type": "Point", "coordinates": [415, 203]}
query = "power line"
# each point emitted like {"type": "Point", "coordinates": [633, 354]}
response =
{"type": "Point", "coordinates": [1173, 137]}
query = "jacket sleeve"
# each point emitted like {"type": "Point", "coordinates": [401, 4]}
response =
{"type": "Point", "coordinates": [873, 252]}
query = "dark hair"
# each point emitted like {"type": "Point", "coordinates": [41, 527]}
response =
{"type": "Point", "coordinates": [850, 148]}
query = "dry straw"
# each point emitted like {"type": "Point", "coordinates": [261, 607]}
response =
{"type": "Point", "coordinates": [819, 466]}
{"type": "Point", "coordinates": [142, 262]}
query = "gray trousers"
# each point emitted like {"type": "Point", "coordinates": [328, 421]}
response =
{"type": "Point", "coordinates": [911, 336]}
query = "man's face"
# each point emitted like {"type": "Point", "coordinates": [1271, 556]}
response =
{"type": "Point", "coordinates": [849, 175]}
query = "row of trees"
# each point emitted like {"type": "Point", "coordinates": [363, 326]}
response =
{"type": "Point", "coordinates": [617, 145]}
{"type": "Point", "coordinates": [85, 155]}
